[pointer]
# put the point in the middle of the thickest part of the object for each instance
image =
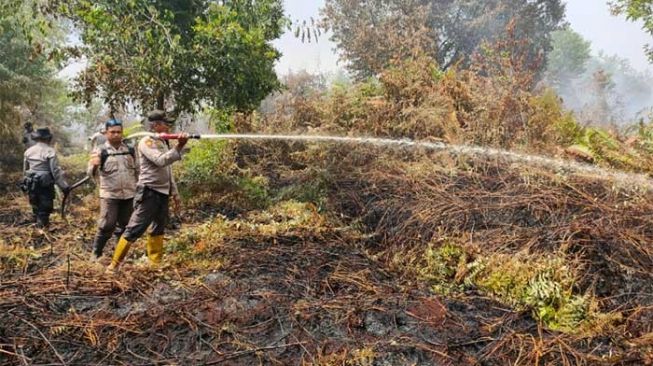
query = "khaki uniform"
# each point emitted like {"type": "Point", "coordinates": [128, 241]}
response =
{"type": "Point", "coordinates": [118, 177]}
{"type": "Point", "coordinates": [155, 185]}
{"type": "Point", "coordinates": [156, 159]}
{"type": "Point", "coordinates": [119, 174]}
{"type": "Point", "coordinates": [41, 169]}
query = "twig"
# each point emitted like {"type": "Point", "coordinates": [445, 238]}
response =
{"type": "Point", "coordinates": [242, 353]}
{"type": "Point", "coordinates": [44, 338]}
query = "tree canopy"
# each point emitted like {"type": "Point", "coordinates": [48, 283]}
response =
{"type": "Point", "coordinates": [181, 54]}
{"type": "Point", "coordinates": [568, 57]}
{"type": "Point", "coordinates": [26, 72]}
{"type": "Point", "coordinates": [637, 10]}
{"type": "Point", "coordinates": [371, 34]}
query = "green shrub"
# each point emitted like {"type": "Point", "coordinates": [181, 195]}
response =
{"type": "Point", "coordinates": [207, 166]}
{"type": "Point", "coordinates": [543, 285]}
{"type": "Point", "coordinates": [441, 266]}
{"type": "Point", "coordinates": [255, 190]}
{"type": "Point", "coordinates": [313, 191]}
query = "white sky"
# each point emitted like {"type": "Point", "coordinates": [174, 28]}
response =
{"type": "Point", "coordinates": [590, 18]}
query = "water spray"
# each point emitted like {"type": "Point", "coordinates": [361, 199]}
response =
{"type": "Point", "coordinates": [563, 166]}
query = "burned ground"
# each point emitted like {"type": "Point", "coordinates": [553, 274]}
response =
{"type": "Point", "coordinates": [346, 279]}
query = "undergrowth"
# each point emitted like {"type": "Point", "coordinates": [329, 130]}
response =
{"type": "Point", "coordinates": [543, 285]}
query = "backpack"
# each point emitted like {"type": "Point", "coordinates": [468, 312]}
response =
{"type": "Point", "coordinates": [104, 155]}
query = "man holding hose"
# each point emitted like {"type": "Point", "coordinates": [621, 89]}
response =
{"type": "Point", "coordinates": [154, 189]}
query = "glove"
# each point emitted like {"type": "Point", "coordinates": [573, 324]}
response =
{"type": "Point", "coordinates": [66, 190]}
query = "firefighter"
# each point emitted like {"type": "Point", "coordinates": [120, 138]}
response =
{"type": "Point", "coordinates": [116, 166]}
{"type": "Point", "coordinates": [155, 187]}
{"type": "Point", "coordinates": [41, 172]}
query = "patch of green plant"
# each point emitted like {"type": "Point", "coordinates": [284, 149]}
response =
{"type": "Point", "coordinates": [645, 136]}
{"type": "Point", "coordinates": [196, 246]}
{"type": "Point", "coordinates": [548, 111]}
{"type": "Point", "coordinates": [222, 120]}
{"type": "Point", "coordinates": [12, 257]}
{"type": "Point", "coordinates": [210, 167]}
{"type": "Point", "coordinates": [543, 285]}
{"type": "Point", "coordinates": [75, 163]}
{"type": "Point", "coordinates": [370, 88]}
{"type": "Point", "coordinates": [442, 264]}
{"type": "Point", "coordinates": [206, 165]}
{"type": "Point", "coordinates": [313, 191]}
{"type": "Point", "coordinates": [197, 243]}
{"type": "Point", "coordinates": [602, 146]}
{"type": "Point", "coordinates": [255, 190]}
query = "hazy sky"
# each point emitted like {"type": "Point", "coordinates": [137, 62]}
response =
{"type": "Point", "coordinates": [590, 18]}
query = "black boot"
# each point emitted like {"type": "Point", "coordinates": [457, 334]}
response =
{"type": "Point", "coordinates": [100, 241]}
{"type": "Point", "coordinates": [42, 221]}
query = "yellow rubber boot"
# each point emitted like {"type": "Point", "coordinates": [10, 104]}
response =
{"type": "Point", "coordinates": [155, 248]}
{"type": "Point", "coordinates": [120, 253]}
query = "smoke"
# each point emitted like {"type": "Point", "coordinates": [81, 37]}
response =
{"type": "Point", "coordinates": [602, 90]}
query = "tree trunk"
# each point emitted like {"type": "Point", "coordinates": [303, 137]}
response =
{"type": "Point", "coordinates": [160, 101]}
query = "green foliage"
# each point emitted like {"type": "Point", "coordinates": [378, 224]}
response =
{"type": "Point", "coordinates": [26, 83]}
{"type": "Point", "coordinates": [549, 112]}
{"type": "Point", "coordinates": [607, 148]}
{"type": "Point", "coordinates": [255, 189]}
{"type": "Point", "coordinates": [207, 165]}
{"type": "Point", "coordinates": [640, 10]}
{"type": "Point", "coordinates": [16, 256]}
{"type": "Point", "coordinates": [210, 167]}
{"type": "Point", "coordinates": [183, 54]}
{"type": "Point", "coordinates": [222, 120]}
{"type": "Point", "coordinates": [543, 285]}
{"type": "Point", "coordinates": [194, 245]}
{"type": "Point", "coordinates": [568, 57]}
{"type": "Point", "coordinates": [313, 191]}
{"type": "Point", "coordinates": [74, 164]}
{"type": "Point", "coordinates": [442, 264]}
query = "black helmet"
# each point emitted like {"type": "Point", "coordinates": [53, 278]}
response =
{"type": "Point", "coordinates": [42, 134]}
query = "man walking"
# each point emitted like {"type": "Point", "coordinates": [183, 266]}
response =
{"type": "Point", "coordinates": [155, 186]}
{"type": "Point", "coordinates": [116, 166]}
{"type": "Point", "coordinates": [41, 170]}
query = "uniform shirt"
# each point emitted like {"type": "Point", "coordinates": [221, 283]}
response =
{"type": "Point", "coordinates": [41, 159]}
{"type": "Point", "coordinates": [119, 175]}
{"type": "Point", "coordinates": [156, 158]}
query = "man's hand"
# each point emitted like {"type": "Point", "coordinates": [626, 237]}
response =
{"type": "Point", "coordinates": [181, 142]}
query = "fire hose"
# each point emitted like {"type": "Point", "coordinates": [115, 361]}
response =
{"type": "Point", "coordinates": [162, 136]}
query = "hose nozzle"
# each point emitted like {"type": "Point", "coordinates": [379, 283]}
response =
{"type": "Point", "coordinates": [175, 136]}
